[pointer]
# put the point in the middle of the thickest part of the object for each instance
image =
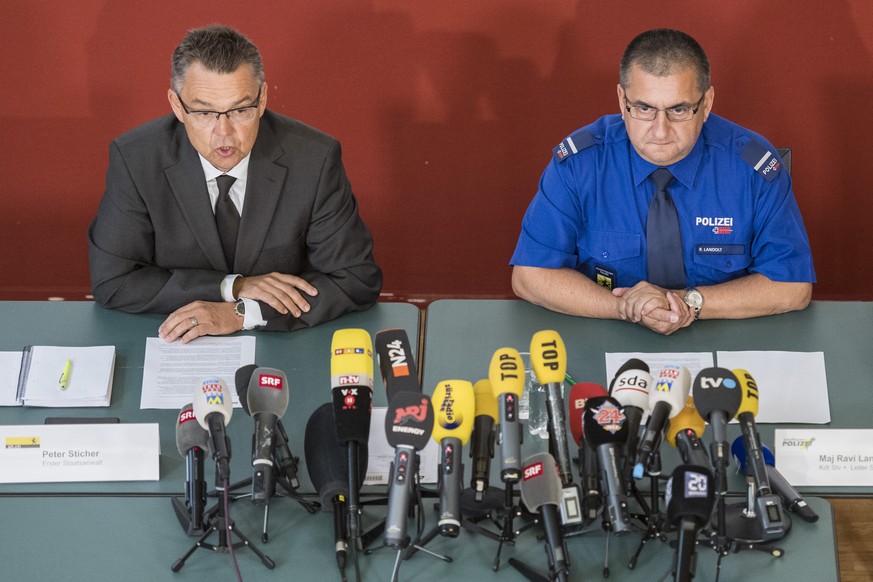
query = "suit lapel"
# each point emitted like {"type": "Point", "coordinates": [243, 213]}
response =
{"type": "Point", "coordinates": [189, 187]}
{"type": "Point", "coordinates": [263, 188]}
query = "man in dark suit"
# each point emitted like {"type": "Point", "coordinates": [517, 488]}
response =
{"type": "Point", "coordinates": [225, 215]}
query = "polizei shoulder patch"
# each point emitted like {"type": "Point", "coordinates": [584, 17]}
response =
{"type": "Point", "coordinates": [575, 143]}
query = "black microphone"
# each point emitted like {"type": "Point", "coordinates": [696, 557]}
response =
{"type": "Point", "coordinates": [690, 498]}
{"type": "Point", "coordinates": [482, 439]}
{"type": "Point", "coordinates": [284, 461]}
{"type": "Point", "coordinates": [717, 397]}
{"type": "Point", "coordinates": [326, 462]}
{"type": "Point", "coordinates": [588, 469]}
{"type": "Point", "coordinates": [191, 440]}
{"type": "Point", "coordinates": [408, 426]}
{"type": "Point", "coordinates": [267, 400]}
{"type": "Point", "coordinates": [789, 495]}
{"type": "Point", "coordinates": [604, 427]}
{"type": "Point", "coordinates": [542, 492]}
{"type": "Point", "coordinates": [213, 409]}
{"type": "Point", "coordinates": [396, 361]}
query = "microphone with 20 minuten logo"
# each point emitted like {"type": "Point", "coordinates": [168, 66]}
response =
{"type": "Point", "coordinates": [690, 498]}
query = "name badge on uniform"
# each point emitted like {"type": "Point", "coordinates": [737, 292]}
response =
{"type": "Point", "coordinates": [604, 277]}
{"type": "Point", "coordinates": [720, 249]}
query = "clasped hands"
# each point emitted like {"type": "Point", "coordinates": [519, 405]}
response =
{"type": "Point", "coordinates": [656, 308]}
{"type": "Point", "coordinates": [283, 292]}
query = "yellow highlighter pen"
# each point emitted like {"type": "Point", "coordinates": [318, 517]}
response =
{"type": "Point", "coordinates": [65, 375]}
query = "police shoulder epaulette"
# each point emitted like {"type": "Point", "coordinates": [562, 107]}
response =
{"type": "Point", "coordinates": [761, 157]}
{"type": "Point", "coordinates": [576, 142]}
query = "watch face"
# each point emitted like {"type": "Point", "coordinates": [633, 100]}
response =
{"type": "Point", "coordinates": [694, 298]}
{"type": "Point", "coordinates": [240, 308]}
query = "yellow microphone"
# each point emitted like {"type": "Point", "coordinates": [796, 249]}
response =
{"type": "Point", "coordinates": [506, 375]}
{"type": "Point", "coordinates": [684, 431]}
{"type": "Point", "coordinates": [454, 406]}
{"type": "Point", "coordinates": [548, 358]}
{"type": "Point", "coordinates": [749, 428]}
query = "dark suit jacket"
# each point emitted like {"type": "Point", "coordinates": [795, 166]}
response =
{"type": "Point", "coordinates": [154, 246]}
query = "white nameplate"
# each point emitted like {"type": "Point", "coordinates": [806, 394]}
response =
{"type": "Point", "coordinates": [58, 453]}
{"type": "Point", "coordinates": [836, 457]}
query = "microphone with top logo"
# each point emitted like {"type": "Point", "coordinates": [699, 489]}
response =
{"type": "Point", "coordinates": [408, 426]}
{"type": "Point", "coordinates": [541, 492]}
{"type": "Point", "coordinates": [454, 407]}
{"type": "Point", "coordinates": [506, 374]}
{"type": "Point", "coordinates": [192, 441]}
{"type": "Point", "coordinates": [482, 439]}
{"type": "Point", "coordinates": [213, 410]}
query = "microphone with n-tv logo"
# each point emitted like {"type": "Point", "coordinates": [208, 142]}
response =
{"type": "Point", "coordinates": [454, 407]}
{"type": "Point", "coordinates": [192, 441]}
{"type": "Point", "coordinates": [213, 409]}
{"type": "Point", "coordinates": [267, 399]}
{"type": "Point", "coordinates": [408, 426]}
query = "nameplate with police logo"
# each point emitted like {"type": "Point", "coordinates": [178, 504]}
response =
{"type": "Point", "coordinates": [822, 457]}
{"type": "Point", "coordinates": [68, 453]}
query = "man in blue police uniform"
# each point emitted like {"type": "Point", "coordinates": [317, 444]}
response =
{"type": "Point", "coordinates": [591, 245]}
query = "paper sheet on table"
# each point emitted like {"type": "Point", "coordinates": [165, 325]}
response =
{"type": "Point", "coordinates": [792, 386]}
{"type": "Point", "coordinates": [172, 370]}
{"type": "Point", "coordinates": [694, 361]}
{"type": "Point", "coordinates": [381, 454]}
{"type": "Point", "coordinates": [10, 367]}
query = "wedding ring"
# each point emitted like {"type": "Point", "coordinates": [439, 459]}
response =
{"type": "Point", "coordinates": [194, 321]}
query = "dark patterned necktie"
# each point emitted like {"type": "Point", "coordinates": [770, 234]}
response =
{"type": "Point", "coordinates": [664, 240]}
{"type": "Point", "coordinates": [226, 218]}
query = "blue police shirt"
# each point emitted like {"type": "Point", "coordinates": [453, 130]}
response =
{"type": "Point", "coordinates": [735, 202]}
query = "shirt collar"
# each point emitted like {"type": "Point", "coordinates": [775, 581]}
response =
{"type": "Point", "coordinates": [239, 171]}
{"type": "Point", "coordinates": [684, 170]}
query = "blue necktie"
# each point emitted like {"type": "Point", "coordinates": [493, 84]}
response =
{"type": "Point", "coordinates": [226, 218]}
{"type": "Point", "coordinates": [664, 240]}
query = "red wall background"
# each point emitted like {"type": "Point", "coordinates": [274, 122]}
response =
{"type": "Point", "coordinates": [447, 112]}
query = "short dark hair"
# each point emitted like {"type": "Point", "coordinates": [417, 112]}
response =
{"type": "Point", "coordinates": [218, 48]}
{"type": "Point", "coordinates": [664, 52]}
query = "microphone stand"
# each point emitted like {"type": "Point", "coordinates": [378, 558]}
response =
{"type": "Point", "coordinates": [651, 516]}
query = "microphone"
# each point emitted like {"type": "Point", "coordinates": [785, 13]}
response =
{"type": "Point", "coordinates": [588, 469]}
{"type": "Point", "coordinates": [548, 357]}
{"type": "Point", "coordinates": [666, 400]}
{"type": "Point", "coordinates": [396, 362]}
{"type": "Point", "coordinates": [266, 400]}
{"type": "Point", "coordinates": [690, 498]}
{"type": "Point", "coordinates": [408, 425]}
{"type": "Point", "coordinates": [326, 462]}
{"type": "Point", "coordinates": [351, 378]}
{"type": "Point", "coordinates": [191, 440]}
{"type": "Point", "coordinates": [684, 432]}
{"type": "Point", "coordinates": [541, 492]}
{"type": "Point", "coordinates": [284, 463]}
{"type": "Point", "coordinates": [506, 374]}
{"type": "Point", "coordinates": [482, 445]}
{"type": "Point", "coordinates": [630, 387]}
{"type": "Point", "coordinates": [717, 398]}
{"type": "Point", "coordinates": [604, 427]}
{"type": "Point", "coordinates": [454, 406]}
{"type": "Point", "coordinates": [749, 429]}
{"type": "Point", "coordinates": [789, 495]}
{"type": "Point", "coordinates": [213, 409]}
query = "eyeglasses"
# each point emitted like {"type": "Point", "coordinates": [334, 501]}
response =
{"type": "Point", "coordinates": [238, 115]}
{"type": "Point", "coordinates": [645, 112]}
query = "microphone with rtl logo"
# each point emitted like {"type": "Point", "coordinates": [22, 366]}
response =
{"type": "Point", "coordinates": [408, 426]}
{"type": "Point", "coordinates": [396, 362]}
{"type": "Point", "coordinates": [454, 405]}
{"type": "Point", "coordinates": [192, 441]}
{"type": "Point", "coordinates": [351, 378]}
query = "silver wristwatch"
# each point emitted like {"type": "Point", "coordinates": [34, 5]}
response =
{"type": "Point", "coordinates": [239, 308]}
{"type": "Point", "coordinates": [694, 299]}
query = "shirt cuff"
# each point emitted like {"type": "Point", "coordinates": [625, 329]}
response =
{"type": "Point", "coordinates": [253, 318]}
{"type": "Point", "coordinates": [226, 288]}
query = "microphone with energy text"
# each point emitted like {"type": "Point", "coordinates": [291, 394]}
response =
{"type": "Point", "coordinates": [604, 427]}
{"type": "Point", "coordinates": [267, 399]}
{"type": "Point", "coordinates": [717, 397]}
{"type": "Point", "coordinates": [684, 432]}
{"type": "Point", "coordinates": [541, 492]}
{"type": "Point", "coordinates": [396, 361]}
{"type": "Point", "coordinates": [327, 464]}
{"type": "Point", "coordinates": [588, 469]}
{"type": "Point", "coordinates": [454, 406]}
{"type": "Point", "coordinates": [506, 374]}
{"type": "Point", "coordinates": [408, 426]}
{"type": "Point", "coordinates": [548, 358]}
{"type": "Point", "coordinates": [192, 441]}
{"type": "Point", "coordinates": [666, 399]}
{"type": "Point", "coordinates": [351, 379]}
{"type": "Point", "coordinates": [690, 498]}
{"type": "Point", "coordinates": [482, 439]}
{"type": "Point", "coordinates": [630, 387]}
{"type": "Point", "coordinates": [213, 409]}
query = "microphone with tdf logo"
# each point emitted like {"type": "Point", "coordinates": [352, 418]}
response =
{"type": "Point", "coordinates": [454, 405]}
